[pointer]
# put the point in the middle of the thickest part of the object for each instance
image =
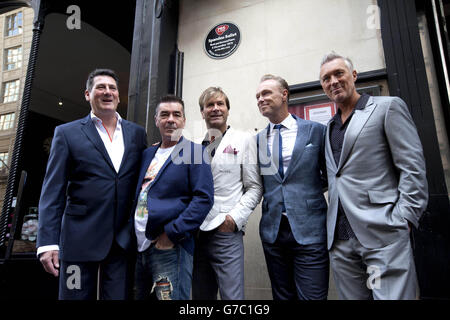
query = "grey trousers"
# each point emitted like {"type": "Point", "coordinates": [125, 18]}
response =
{"type": "Point", "coordinates": [218, 266]}
{"type": "Point", "coordinates": [386, 273]}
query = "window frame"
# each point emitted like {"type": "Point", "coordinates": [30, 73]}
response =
{"type": "Point", "coordinates": [16, 64]}
{"type": "Point", "coordinates": [3, 161]}
{"type": "Point", "coordinates": [11, 27]}
{"type": "Point", "coordinates": [16, 91]}
{"type": "Point", "coordinates": [10, 121]}
{"type": "Point", "coordinates": [299, 105]}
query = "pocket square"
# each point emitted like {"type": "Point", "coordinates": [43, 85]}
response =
{"type": "Point", "coordinates": [230, 150]}
{"type": "Point", "coordinates": [309, 145]}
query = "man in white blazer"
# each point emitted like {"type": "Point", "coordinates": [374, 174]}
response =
{"type": "Point", "coordinates": [219, 250]}
{"type": "Point", "coordinates": [293, 219]}
{"type": "Point", "coordinates": [377, 188]}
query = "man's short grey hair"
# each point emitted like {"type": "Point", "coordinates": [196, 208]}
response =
{"type": "Point", "coordinates": [282, 83]}
{"type": "Point", "coordinates": [333, 56]}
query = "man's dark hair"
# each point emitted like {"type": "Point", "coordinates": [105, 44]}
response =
{"type": "Point", "coordinates": [100, 72]}
{"type": "Point", "coordinates": [170, 98]}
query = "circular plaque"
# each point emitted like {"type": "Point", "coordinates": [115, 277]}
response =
{"type": "Point", "coordinates": [222, 40]}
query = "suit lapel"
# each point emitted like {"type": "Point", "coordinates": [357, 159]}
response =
{"type": "Point", "coordinates": [265, 161]}
{"type": "Point", "coordinates": [300, 143]}
{"type": "Point", "coordinates": [176, 152]}
{"type": "Point", "coordinates": [221, 147]}
{"type": "Point", "coordinates": [355, 126]}
{"type": "Point", "coordinates": [268, 154]}
{"type": "Point", "coordinates": [147, 159]}
{"type": "Point", "coordinates": [90, 130]}
{"type": "Point", "coordinates": [268, 151]}
{"type": "Point", "coordinates": [328, 150]}
{"type": "Point", "coordinates": [126, 141]}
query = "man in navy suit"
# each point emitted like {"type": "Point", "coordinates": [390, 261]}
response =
{"type": "Point", "coordinates": [292, 228]}
{"type": "Point", "coordinates": [174, 194]}
{"type": "Point", "coordinates": [85, 225]}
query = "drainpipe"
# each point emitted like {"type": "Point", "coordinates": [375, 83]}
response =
{"type": "Point", "coordinates": [15, 166]}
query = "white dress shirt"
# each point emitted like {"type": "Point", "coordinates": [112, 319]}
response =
{"type": "Point", "coordinates": [289, 135]}
{"type": "Point", "coordinates": [115, 147]}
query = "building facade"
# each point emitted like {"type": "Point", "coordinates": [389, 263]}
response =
{"type": "Point", "coordinates": [15, 41]}
{"type": "Point", "coordinates": [276, 37]}
{"type": "Point", "coordinates": [289, 39]}
{"type": "Point", "coordinates": [399, 48]}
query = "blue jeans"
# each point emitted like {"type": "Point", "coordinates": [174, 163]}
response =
{"type": "Point", "coordinates": [168, 273]}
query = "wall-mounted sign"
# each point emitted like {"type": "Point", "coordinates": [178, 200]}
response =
{"type": "Point", "coordinates": [222, 41]}
{"type": "Point", "coordinates": [320, 112]}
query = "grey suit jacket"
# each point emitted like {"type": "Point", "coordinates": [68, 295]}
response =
{"type": "Point", "coordinates": [381, 179]}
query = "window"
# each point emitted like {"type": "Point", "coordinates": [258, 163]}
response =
{"type": "Point", "coordinates": [13, 58]}
{"type": "Point", "coordinates": [14, 24]}
{"type": "Point", "coordinates": [3, 160]}
{"type": "Point", "coordinates": [317, 107]}
{"type": "Point", "coordinates": [11, 91]}
{"type": "Point", "coordinates": [7, 121]}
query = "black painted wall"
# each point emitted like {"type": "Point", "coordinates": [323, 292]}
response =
{"type": "Point", "coordinates": [407, 79]}
{"type": "Point", "coordinates": [152, 73]}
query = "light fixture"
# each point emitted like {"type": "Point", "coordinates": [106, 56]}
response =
{"type": "Point", "coordinates": [60, 102]}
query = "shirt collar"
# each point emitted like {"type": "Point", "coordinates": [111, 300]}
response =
{"type": "Point", "coordinates": [362, 101]}
{"type": "Point", "coordinates": [360, 105]}
{"type": "Point", "coordinates": [96, 119]}
{"type": "Point", "coordinates": [206, 140]}
{"type": "Point", "coordinates": [289, 123]}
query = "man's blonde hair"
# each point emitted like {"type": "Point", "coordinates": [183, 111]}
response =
{"type": "Point", "coordinates": [212, 92]}
{"type": "Point", "coordinates": [283, 83]}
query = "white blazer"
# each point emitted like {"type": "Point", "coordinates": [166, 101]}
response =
{"type": "Point", "coordinates": [237, 182]}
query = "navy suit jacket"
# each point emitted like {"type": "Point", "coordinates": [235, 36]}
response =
{"type": "Point", "coordinates": [180, 196]}
{"type": "Point", "coordinates": [301, 188]}
{"type": "Point", "coordinates": [85, 204]}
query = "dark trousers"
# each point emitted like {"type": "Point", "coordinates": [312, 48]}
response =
{"type": "Point", "coordinates": [297, 272]}
{"type": "Point", "coordinates": [113, 276]}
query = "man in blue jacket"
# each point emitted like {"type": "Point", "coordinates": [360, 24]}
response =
{"type": "Point", "coordinates": [174, 194]}
{"type": "Point", "coordinates": [85, 209]}
{"type": "Point", "coordinates": [292, 228]}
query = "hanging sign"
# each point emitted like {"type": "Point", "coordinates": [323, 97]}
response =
{"type": "Point", "coordinates": [222, 40]}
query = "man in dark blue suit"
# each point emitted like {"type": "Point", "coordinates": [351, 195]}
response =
{"type": "Point", "coordinates": [174, 194]}
{"type": "Point", "coordinates": [85, 209]}
{"type": "Point", "coordinates": [292, 228]}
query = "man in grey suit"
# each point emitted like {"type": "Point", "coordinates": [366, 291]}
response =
{"type": "Point", "coordinates": [292, 228]}
{"type": "Point", "coordinates": [377, 188]}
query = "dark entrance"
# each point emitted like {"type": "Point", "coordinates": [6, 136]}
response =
{"type": "Point", "coordinates": [65, 53]}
